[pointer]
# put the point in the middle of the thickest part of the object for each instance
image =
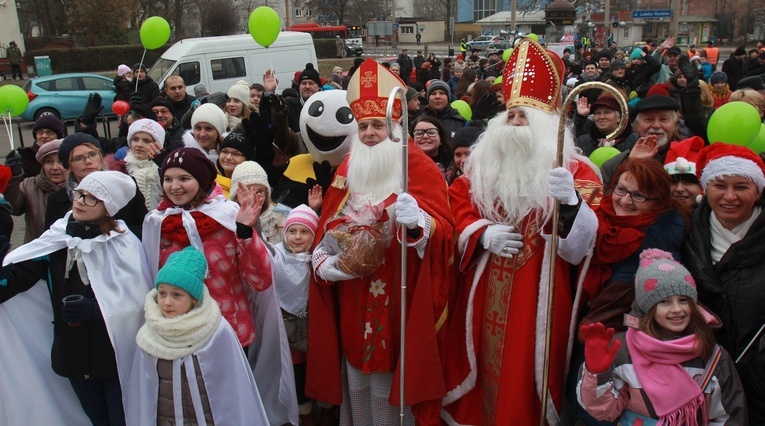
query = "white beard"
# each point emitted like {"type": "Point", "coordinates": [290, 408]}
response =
{"type": "Point", "coordinates": [374, 172]}
{"type": "Point", "coordinates": [508, 167]}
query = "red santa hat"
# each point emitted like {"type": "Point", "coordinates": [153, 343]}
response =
{"type": "Point", "coordinates": [533, 77]}
{"type": "Point", "coordinates": [368, 91]}
{"type": "Point", "coordinates": [722, 159]}
{"type": "Point", "coordinates": [682, 156]}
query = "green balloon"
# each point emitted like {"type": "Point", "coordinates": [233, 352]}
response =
{"type": "Point", "coordinates": [13, 100]}
{"type": "Point", "coordinates": [264, 25]}
{"type": "Point", "coordinates": [533, 37]}
{"type": "Point", "coordinates": [603, 154]}
{"type": "Point", "coordinates": [498, 80]}
{"type": "Point", "coordinates": [155, 32]}
{"type": "Point", "coordinates": [463, 108]}
{"type": "Point", "coordinates": [506, 54]}
{"type": "Point", "coordinates": [758, 144]}
{"type": "Point", "coordinates": [736, 123]}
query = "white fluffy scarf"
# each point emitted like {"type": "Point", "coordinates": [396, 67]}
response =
{"type": "Point", "coordinates": [146, 175]}
{"type": "Point", "coordinates": [722, 238]}
{"type": "Point", "coordinates": [174, 338]}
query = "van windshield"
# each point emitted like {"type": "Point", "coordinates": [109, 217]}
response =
{"type": "Point", "coordinates": [160, 68]}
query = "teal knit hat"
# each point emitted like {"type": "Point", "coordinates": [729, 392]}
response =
{"type": "Point", "coordinates": [636, 54]}
{"type": "Point", "coordinates": [184, 269]}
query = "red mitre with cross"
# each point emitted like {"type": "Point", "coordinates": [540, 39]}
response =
{"type": "Point", "coordinates": [368, 91]}
{"type": "Point", "coordinates": [533, 77]}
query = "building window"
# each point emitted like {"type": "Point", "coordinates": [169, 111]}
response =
{"type": "Point", "coordinates": [298, 13]}
{"type": "Point", "coordinates": [308, 13]}
{"type": "Point", "coordinates": [625, 32]}
{"type": "Point", "coordinates": [483, 8]}
{"type": "Point", "coordinates": [407, 30]}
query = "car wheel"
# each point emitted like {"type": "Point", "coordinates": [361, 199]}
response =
{"type": "Point", "coordinates": [358, 54]}
{"type": "Point", "coordinates": [47, 111]}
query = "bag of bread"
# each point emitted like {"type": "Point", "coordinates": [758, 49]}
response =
{"type": "Point", "coordinates": [360, 238]}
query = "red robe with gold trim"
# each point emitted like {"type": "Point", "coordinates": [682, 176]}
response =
{"type": "Point", "coordinates": [503, 304]}
{"type": "Point", "coordinates": [340, 323]}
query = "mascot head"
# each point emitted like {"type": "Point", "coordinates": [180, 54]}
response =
{"type": "Point", "coordinates": [327, 126]}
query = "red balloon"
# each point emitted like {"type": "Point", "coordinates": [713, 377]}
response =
{"type": "Point", "coordinates": [120, 107]}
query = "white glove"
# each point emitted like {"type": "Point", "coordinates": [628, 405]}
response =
{"type": "Point", "coordinates": [408, 212]}
{"type": "Point", "coordinates": [562, 186]}
{"type": "Point", "coordinates": [328, 270]}
{"type": "Point", "coordinates": [501, 240]}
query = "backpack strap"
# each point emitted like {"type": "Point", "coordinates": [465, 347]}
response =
{"type": "Point", "coordinates": [710, 368]}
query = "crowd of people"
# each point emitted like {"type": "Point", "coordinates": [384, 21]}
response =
{"type": "Point", "coordinates": [252, 257]}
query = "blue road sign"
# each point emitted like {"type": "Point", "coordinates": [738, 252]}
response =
{"type": "Point", "coordinates": [648, 14]}
{"type": "Point", "coordinates": [395, 25]}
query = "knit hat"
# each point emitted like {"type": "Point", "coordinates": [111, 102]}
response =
{"type": "Point", "coordinates": [439, 85]}
{"type": "Point", "coordinates": [658, 89]}
{"type": "Point", "coordinates": [660, 276]}
{"type": "Point", "coordinates": [740, 51]}
{"type": "Point", "coordinates": [50, 122]}
{"type": "Point", "coordinates": [249, 172]}
{"type": "Point", "coordinates": [211, 114]}
{"type": "Point", "coordinates": [240, 91]}
{"type": "Point", "coordinates": [310, 73]}
{"type": "Point", "coordinates": [239, 142]}
{"type": "Point", "coordinates": [47, 148]}
{"type": "Point", "coordinates": [184, 269]}
{"type": "Point", "coordinates": [144, 111]}
{"type": "Point", "coordinates": [572, 81]}
{"type": "Point", "coordinates": [721, 159]}
{"type": "Point", "coordinates": [193, 161]}
{"type": "Point", "coordinates": [466, 137]}
{"type": "Point", "coordinates": [411, 93]}
{"type": "Point", "coordinates": [459, 66]}
{"type": "Point", "coordinates": [636, 54]}
{"type": "Point", "coordinates": [302, 215]}
{"type": "Point", "coordinates": [163, 102]}
{"type": "Point", "coordinates": [682, 156]}
{"type": "Point", "coordinates": [200, 90]}
{"type": "Point", "coordinates": [717, 77]}
{"type": "Point", "coordinates": [122, 70]}
{"type": "Point", "coordinates": [616, 64]}
{"type": "Point", "coordinates": [217, 98]}
{"type": "Point", "coordinates": [71, 142]}
{"type": "Point", "coordinates": [139, 66]}
{"type": "Point", "coordinates": [336, 69]}
{"type": "Point", "coordinates": [426, 65]}
{"type": "Point", "coordinates": [115, 189]}
{"type": "Point", "coordinates": [604, 54]}
{"type": "Point", "coordinates": [147, 126]}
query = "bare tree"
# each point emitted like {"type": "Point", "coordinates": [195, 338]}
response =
{"type": "Point", "coordinates": [43, 14]}
{"type": "Point", "coordinates": [219, 17]}
{"type": "Point", "coordinates": [86, 19]}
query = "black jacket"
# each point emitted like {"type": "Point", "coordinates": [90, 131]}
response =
{"type": "Point", "coordinates": [148, 89]}
{"type": "Point", "coordinates": [183, 106]}
{"type": "Point", "coordinates": [124, 89]}
{"type": "Point", "coordinates": [450, 118]}
{"type": "Point", "coordinates": [733, 289]}
{"type": "Point", "coordinates": [641, 78]}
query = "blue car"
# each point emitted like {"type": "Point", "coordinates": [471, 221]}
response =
{"type": "Point", "coordinates": [65, 95]}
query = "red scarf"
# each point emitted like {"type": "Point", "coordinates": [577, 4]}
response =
{"type": "Point", "coordinates": [619, 237]}
{"type": "Point", "coordinates": [173, 230]}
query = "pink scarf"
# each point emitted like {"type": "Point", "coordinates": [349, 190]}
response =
{"type": "Point", "coordinates": [675, 396]}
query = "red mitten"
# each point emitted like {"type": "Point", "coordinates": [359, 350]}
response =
{"type": "Point", "coordinates": [598, 356]}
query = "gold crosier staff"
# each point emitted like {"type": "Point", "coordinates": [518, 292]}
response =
{"type": "Point", "coordinates": [398, 90]}
{"type": "Point", "coordinates": [556, 216]}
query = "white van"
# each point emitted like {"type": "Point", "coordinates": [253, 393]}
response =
{"type": "Point", "coordinates": [219, 62]}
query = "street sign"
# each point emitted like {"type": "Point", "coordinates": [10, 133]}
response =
{"type": "Point", "coordinates": [380, 28]}
{"type": "Point", "coordinates": [395, 25]}
{"type": "Point", "coordinates": [651, 14]}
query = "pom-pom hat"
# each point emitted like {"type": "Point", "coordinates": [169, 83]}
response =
{"type": "Point", "coordinates": [186, 270]}
{"type": "Point", "coordinates": [302, 215]}
{"type": "Point", "coordinates": [722, 159]}
{"type": "Point", "coordinates": [660, 276]}
{"type": "Point", "coordinates": [682, 156]}
{"type": "Point", "coordinates": [309, 73]}
{"type": "Point", "coordinates": [114, 189]}
{"type": "Point", "coordinates": [368, 91]}
{"type": "Point", "coordinates": [533, 77]}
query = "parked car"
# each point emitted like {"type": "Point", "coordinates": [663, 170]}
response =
{"type": "Point", "coordinates": [498, 46]}
{"type": "Point", "coordinates": [482, 42]}
{"type": "Point", "coordinates": [353, 47]}
{"type": "Point", "coordinates": [65, 95]}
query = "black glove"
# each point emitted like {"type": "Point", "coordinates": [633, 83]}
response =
{"type": "Point", "coordinates": [487, 107]}
{"type": "Point", "coordinates": [256, 129]}
{"type": "Point", "coordinates": [14, 162]}
{"type": "Point", "coordinates": [136, 100]}
{"type": "Point", "coordinates": [689, 71]}
{"type": "Point", "coordinates": [277, 103]}
{"type": "Point", "coordinates": [323, 172]}
{"type": "Point", "coordinates": [85, 309]}
{"type": "Point", "coordinates": [92, 109]}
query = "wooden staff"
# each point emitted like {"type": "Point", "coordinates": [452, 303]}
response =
{"type": "Point", "coordinates": [556, 217]}
{"type": "Point", "coordinates": [398, 90]}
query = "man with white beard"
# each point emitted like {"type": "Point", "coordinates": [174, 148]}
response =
{"type": "Point", "coordinates": [502, 207]}
{"type": "Point", "coordinates": [354, 296]}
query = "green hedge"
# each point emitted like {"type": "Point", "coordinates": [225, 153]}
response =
{"type": "Point", "coordinates": [325, 48]}
{"type": "Point", "coordinates": [99, 58]}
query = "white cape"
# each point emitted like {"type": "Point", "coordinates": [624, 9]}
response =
{"type": "Point", "coordinates": [234, 397]}
{"type": "Point", "coordinates": [117, 270]}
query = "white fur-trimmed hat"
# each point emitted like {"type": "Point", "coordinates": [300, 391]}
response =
{"type": "Point", "coordinates": [212, 114]}
{"type": "Point", "coordinates": [722, 159]}
{"type": "Point", "coordinates": [114, 189]}
{"type": "Point", "coordinates": [149, 126]}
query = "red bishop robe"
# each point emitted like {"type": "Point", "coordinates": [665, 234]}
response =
{"type": "Point", "coordinates": [359, 318]}
{"type": "Point", "coordinates": [499, 301]}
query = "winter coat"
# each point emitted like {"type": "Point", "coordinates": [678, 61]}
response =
{"type": "Point", "coordinates": [424, 76]}
{"type": "Point", "coordinates": [29, 197]}
{"type": "Point", "coordinates": [617, 391]}
{"type": "Point", "coordinates": [418, 61]}
{"type": "Point", "coordinates": [173, 141]}
{"type": "Point", "coordinates": [735, 71]}
{"type": "Point", "coordinates": [148, 89]}
{"type": "Point", "coordinates": [165, 408]}
{"type": "Point", "coordinates": [641, 76]}
{"type": "Point", "coordinates": [405, 62]}
{"type": "Point", "coordinates": [435, 67]}
{"type": "Point", "coordinates": [180, 108]}
{"type": "Point", "coordinates": [732, 289]}
{"type": "Point", "coordinates": [450, 118]}
{"type": "Point", "coordinates": [124, 89]}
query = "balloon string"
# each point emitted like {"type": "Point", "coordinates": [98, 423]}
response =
{"type": "Point", "coordinates": [270, 62]}
{"type": "Point", "coordinates": [8, 123]}
{"type": "Point", "coordinates": [139, 67]}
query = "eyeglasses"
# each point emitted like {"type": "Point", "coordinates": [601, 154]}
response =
{"type": "Point", "coordinates": [45, 132]}
{"type": "Point", "coordinates": [235, 154]}
{"type": "Point", "coordinates": [81, 158]}
{"type": "Point", "coordinates": [421, 132]}
{"type": "Point", "coordinates": [636, 196]}
{"type": "Point", "coordinates": [89, 200]}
